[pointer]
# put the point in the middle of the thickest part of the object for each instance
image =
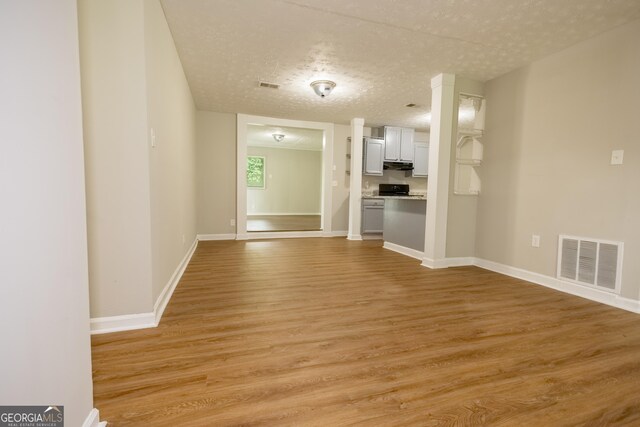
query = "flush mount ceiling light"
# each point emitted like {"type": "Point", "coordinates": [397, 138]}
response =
{"type": "Point", "coordinates": [278, 137]}
{"type": "Point", "coordinates": [323, 87]}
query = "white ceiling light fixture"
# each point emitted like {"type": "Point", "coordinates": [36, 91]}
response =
{"type": "Point", "coordinates": [278, 137]}
{"type": "Point", "coordinates": [322, 87]}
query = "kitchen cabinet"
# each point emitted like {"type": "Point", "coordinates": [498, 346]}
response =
{"type": "Point", "coordinates": [373, 156]}
{"type": "Point", "coordinates": [420, 159]}
{"type": "Point", "coordinates": [398, 144]}
{"type": "Point", "coordinates": [372, 215]}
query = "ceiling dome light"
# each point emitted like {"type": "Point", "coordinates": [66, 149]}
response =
{"type": "Point", "coordinates": [278, 137]}
{"type": "Point", "coordinates": [323, 87]}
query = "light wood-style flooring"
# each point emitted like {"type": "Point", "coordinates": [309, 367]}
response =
{"type": "Point", "coordinates": [330, 332]}
{"type": "Point", "coordinates": [283, 222]}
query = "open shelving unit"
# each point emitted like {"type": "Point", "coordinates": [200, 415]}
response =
{"type": "Point", "coordinates": [469, 146]}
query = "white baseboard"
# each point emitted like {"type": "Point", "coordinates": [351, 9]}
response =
{"type": "Point", "coordinates": [354, 237]}
{"type": "Point", "coordinates": [283, 214]}
{"type": "Point", "coordinates": [129, 322]}
{"type": "Point", "coordinates": [403, 250]}
{"type": "Point", "coordinates": [93, 419]}
{"type": "Point", "coordinates": [125, 322]}
{"type": "Point", "coordinates": [205, 237]}
{"type": "Point", "coordinates": [560, 285]}
{"type": "Point", "coordinates": [167, 292]}
{"type": "Point", "coordinates": [282, 234]}
{"type": "Point", "coordinates": [338, 233]}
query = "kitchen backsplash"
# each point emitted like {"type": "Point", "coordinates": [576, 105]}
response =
{"type": "Point", "coordinates": [370, 183]}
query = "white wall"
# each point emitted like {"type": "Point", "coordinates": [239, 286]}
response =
{"type": "Point", "coordinates": [112, 54]}
{"type": "Point", "coordinates": [293, 183]}
{"type": "Point", "coordinates": [340, 192]}
{"type": "Point", "coordinates": [550, 130]}
{"type": "Point", "coordinates": [44, 301]}
{"type": "Point", "coordinates": [171, 114]}
{"type": "Point", "coordinates": [141, 200]}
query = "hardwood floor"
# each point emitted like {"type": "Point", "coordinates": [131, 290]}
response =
{"type": "Point", "coordinates": [329, 332]}
{"type": "Point", "coordinates": [284, 222]}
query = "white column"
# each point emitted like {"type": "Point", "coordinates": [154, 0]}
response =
{"type": "Point", "coordinates": [442, 105]}
{"type": "Point", "coordinates": [355, 182]}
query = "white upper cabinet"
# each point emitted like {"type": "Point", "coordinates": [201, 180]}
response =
{"type": "Point", "coordinates": [373, 156]}
{"type": "Point", "coordinates": [398, 144]}
{"type": "Point", "coordinates": [406, 145]}
{"type": "Point", "coordinates": [392, 140]}
{"type": "Point", "coordinates": [420, 159]}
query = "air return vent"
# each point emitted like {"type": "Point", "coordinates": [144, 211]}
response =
{"type": "Point", "coordinates": [591, 262]}
{"type": "Point", "coordinates": [268, 85]}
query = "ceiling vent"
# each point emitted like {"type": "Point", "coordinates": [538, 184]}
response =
{"type": "Point", "coordinates": [268, 85]}
{"type": "Point", "coordinates": [592, 262]}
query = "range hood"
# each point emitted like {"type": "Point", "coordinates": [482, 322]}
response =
{"type": "Point", "coordinates": [398, 166]}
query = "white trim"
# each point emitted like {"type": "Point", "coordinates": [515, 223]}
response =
{"type": "Point", "coordinates": [167, 292]}
{"type": "Point", "coordinates": [205, 237]}
{"type": "Point", "coordinates": [441, 136]}
{"type": "Point", "coordinates": [258, 235]}
{"type": "Point", "coordinates": [403, 250]}
{"type": "Point", "coordinates": [459, 262]}
{"type": "Point", "coordinates": [242, 121]}
{"type": "Point", "coordinates": [129, 322]}
{"type": "Point", "coordinates": [93, 419]}
{"type": "Point", "coordinates": [284, 213]}
{"type": "Point", "coordinates": [563, 286]}
{"type": "Point", "coordinates": [355, 179]}
{"type": "Point", "coordinates": [434, 263]}
{"type": "Point", "coordinates": [125, 322]}
{"type": "Point", "coordinates": [338, 233]}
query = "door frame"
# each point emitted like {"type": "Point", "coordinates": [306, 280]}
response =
{"type": "Point", "coordinates": [243, 121]}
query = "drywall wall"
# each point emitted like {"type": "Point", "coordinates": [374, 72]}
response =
{"type": "Point", "coordinates": [171, 115]}
{"type": "Point", "coordinates": [44, 301]}
{"type": "Point", "coordinates": [340, 191]}
{"type": "Point", "coordinates": [551, 127]}
{"type": "Point", "coordinates": [216, 172]}
{"type": "Point", "coordinates": [293, 183]}
{"type": "Point", "coordinates": [112, 53]}
{"type": "Point", "coordinates": [139, 129]}
{"type": "Point", "coordinates": [462, 210]}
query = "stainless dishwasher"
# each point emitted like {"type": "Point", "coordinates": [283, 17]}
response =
{"type": "Point", "coordinates": [372, 215]}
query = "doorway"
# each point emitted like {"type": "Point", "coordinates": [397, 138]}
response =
{"type": "Point", "coordinates": [285, 170]}
{"type": "Point", "coordinates": [284, 179]}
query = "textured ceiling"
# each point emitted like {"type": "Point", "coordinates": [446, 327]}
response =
{"type": "Point", "coordinates": [294, 138]}
{"type": "Point", "coordinates": [381, 54]}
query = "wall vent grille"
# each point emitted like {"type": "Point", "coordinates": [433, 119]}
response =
{"type": "Point", "coordinates": [592, 262]}
{"type": "Point", "coordinates": [268, 85]}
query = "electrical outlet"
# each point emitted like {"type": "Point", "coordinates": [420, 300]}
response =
{"type": "Point", "coordinates": [153, 138]}
{"type": "Point", "coordinates": [232, 222]}
{"type": "Point", "coordinates": [334, 183]}
{"type": "Point", "coordinates": [617, 156]}
{"type": "Point", "coordinates": [535, 241]}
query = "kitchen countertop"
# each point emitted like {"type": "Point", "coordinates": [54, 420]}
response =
{"type": "Point", "coordinates": [410, 197]}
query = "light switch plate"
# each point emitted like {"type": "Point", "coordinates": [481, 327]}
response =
{"type": "Point", "coordinates": [535, 241]}
{"type": "Point", "coordinates": [617, 157]}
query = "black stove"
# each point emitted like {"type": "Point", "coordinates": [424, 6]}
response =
{"type": "Point", "coordinates": [393, 190]}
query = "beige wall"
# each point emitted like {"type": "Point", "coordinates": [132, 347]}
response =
{"type": "Point", "coordinates": [551, 127]}
{"type": "Point", "coordinates": [216, 172]}
{"type": "Point", "coordinates": [293, 182]}
{"type": "Point", "coordinates": [141, 200]}
{"type": "Point", "coordinates": [171, 114]}
{"type": "Point", "coordinates": [112, 54]}
{"type": "Point", "coordinates": [44, 296]}
{"type": "Point", "coordinates": [340, 192]}
{"type": "Point", "coordinates": [461, 212]}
